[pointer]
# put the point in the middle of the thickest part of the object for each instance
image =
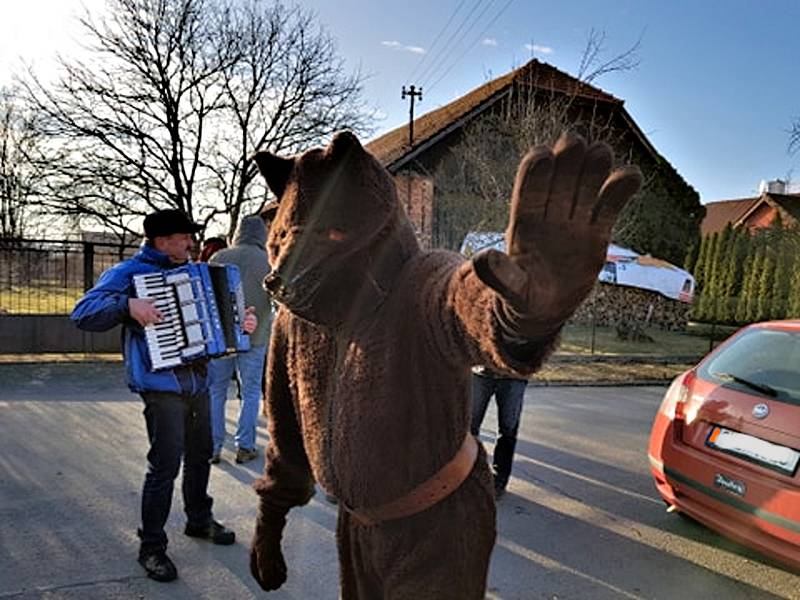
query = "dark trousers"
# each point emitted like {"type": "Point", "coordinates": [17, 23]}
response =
{"type": "Point", "coordinates": [179, 428]}
{"type": "Point", "coordinates": [508, 394]}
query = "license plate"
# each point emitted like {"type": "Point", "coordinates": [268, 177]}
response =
{"type": "Point", "coordinates": [766, 453]}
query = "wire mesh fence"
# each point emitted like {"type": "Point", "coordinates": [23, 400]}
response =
{"type": "Point", "coordinates": [48, 276]}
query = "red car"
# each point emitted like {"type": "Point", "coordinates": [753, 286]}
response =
{"type": "Point", "coordinates": [725, 444]}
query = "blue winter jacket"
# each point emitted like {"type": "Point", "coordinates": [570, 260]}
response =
{"type": "Point", "coordinates": [106, 305]}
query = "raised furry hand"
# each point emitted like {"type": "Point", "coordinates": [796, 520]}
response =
{"type": "Point", "coordinates": [563, 207]}
{"type": "Point", "coordinates": [266, 559]}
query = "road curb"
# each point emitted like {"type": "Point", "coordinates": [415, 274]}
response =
{"type": "Point", "coordinates": [33, 360]}
{"type": "Point", "coordinates": [628, 383]}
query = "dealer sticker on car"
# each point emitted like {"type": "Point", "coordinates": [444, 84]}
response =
{"type": "Point", "coordinates": [730, 485]}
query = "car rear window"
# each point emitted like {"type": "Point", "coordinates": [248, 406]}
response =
{"type": "Point", "coordinates": [769, 358]}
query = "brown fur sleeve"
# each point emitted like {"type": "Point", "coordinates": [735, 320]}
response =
{"type": "Point", "coordinates": [287, 479]}
{"type": "Point", "coordinates": [467, 308]}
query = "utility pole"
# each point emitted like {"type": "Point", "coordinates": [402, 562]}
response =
{"type": "Point", "coordinates": [412, 93]}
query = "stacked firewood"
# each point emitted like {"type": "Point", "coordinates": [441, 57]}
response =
{"type": "Point", "coordinates": [631, 309]}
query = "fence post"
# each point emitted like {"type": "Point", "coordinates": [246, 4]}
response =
{"type": "Point", "coordinates": [711, 337]}
{"type": "Point", "coordinates": [88, 266]}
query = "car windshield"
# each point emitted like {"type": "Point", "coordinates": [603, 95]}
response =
{"type": "Point", "coordinates": [764, 361]}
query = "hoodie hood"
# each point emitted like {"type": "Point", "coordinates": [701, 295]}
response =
{"type": "Point", "coordinates": [251, 230]}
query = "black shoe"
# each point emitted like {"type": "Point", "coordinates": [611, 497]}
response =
{"type": "Point", "coordinates": [214, 460]}
{"type": "Point", "coordinates": [499, 491]}
{"type": "Point", "coordinates": [246, 454]}
{"type": "Point", "coordinates": [213, 532]}
{"type": "Point", "coordinates": [158, 565]}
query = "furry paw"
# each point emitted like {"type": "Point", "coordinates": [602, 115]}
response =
{"type": "Point", "coordinates": [267, 566]}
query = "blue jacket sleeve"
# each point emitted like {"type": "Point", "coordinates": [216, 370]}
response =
{"type": "Point", "coordinates": [106, 304]}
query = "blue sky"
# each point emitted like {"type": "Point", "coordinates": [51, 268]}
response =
{"type": "Point", "coordinates": [716, 90]}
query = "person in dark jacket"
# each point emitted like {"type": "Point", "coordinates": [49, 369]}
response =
{"type": "Point", "coordinates": [508, 393]}
{"type": "Point", "coordinates": [210, 247]}
{"type": "Point", "coordinates": [176, 403]}
{"type": "Point", "coordinates": [248, 252]}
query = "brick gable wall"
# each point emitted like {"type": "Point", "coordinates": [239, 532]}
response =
{"type": "Point", "coordinates": [416, 196]}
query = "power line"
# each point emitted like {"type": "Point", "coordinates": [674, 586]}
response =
{"type": "Point", "coordinates": [436, 39]}
{"type": "Point", "coordinates": [469, 47]}
{"type": "Point", "coordinates": [463, 36]}
{"type": "Point", "coordinates": [427, 71]}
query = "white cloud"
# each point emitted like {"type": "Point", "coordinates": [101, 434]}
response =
{"type": "Point", "coordinates": [395, 45]}
{"type": "Point", "coordinates": [537, 49]}
{"type": "Point", "coordinates": [489, 42]}
{"type": "Point", "coordinates": [32, 33]}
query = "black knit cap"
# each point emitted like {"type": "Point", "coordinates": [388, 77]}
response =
{"type": "Point", "coordinates": [167, 222]}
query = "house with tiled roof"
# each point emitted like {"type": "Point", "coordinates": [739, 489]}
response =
{"type": "Point", "coordinates": [753, 213]}
{"type": "Point", "coordinates": [415, 163]}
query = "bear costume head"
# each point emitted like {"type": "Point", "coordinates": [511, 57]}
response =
{"type": "Point", "coordinates": [339, 236]}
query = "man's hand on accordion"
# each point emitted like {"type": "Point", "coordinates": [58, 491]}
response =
{"type": "Point", "coordinates": [144, 311]}
{"type": "Point", "coordinates": [250, 320]}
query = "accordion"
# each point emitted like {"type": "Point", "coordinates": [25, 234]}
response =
{"type": "Point", "coordinates": [203, 310]}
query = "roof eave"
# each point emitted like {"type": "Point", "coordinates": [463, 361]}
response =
{"type": "Point", "coordinates": [408, 156]}
{"type": "Point", "coordinates": [431, 140]}
{"type": "Point", "coordinates": [763, 198]}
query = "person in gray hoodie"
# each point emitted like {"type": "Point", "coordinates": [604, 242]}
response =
{"type": "Point", "coordinates": [248, 252]}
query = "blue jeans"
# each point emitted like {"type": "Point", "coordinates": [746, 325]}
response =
{"type": "Point", "coordinates": [178, 428]}
{"type": "Point", "coordinates": [249, 369]}
{"type": "Point", "coordinates": [509, 396]}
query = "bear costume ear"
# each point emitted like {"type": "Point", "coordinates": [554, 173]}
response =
{"type": "Point", "coordinates": [276, 170]}
{"type": "Point", "coordinates": [343, 143]}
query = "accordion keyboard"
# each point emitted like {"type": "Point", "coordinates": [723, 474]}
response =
{"type": "Point", "coordinates": [179, 336]}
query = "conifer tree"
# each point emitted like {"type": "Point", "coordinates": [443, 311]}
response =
{"type": "Point", "coordinates": [740, 315]}
{"type": "Point", "coordinates": [701, 259]}
{"type": "Point", "coordinates": [700, 310]}
{"type": "Point", "coordinates": [765, 283]}
{"type": "Point", "coordinates": [733, 274]}
{"type": "Point", "coordinates": [718, 270]}
{"type": "Point", "coordinates": [756, 268]}
{"type": "Point", "coordinates": [692, 256]}
{"type": "Point", "coordinates": [793, 303]}
{"type": "Point", "coordinates": [780, 286]}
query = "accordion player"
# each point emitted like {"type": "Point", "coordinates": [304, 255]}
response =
{"type": "Point", "coordinates": [203, 308]}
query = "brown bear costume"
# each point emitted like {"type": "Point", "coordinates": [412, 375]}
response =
{"type": "Point", "coordinates": [369, 364]}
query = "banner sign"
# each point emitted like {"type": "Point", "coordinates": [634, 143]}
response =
{"type": "Point", "coordinates": [623, 267]}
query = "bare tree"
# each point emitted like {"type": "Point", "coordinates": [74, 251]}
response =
{"type": "Point", "coordinates": [17, 176]}
{"type": "Point", "coordinates": [287, 91]}
{"type": "Point", "coordinates": [593, 65]}
{"type": "Point", "coordinates": [794, 137]}
{"type": "Point", "coordinates": [473, 185]}
{"type": "Point", "coordinates": [174, 97]}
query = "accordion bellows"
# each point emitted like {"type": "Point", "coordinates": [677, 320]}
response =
{"type": "Point", "coordinates": [203, 309]}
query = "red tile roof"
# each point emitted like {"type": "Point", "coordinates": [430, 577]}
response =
{"type": "Point", "coordinates": [719, 214]}
{"type": "Point", "coordinates": [393, 145]}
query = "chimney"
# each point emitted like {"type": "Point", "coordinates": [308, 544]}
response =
{"type": "Point", "coordinates": [773, 186]}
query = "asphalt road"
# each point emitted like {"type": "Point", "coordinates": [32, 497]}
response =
{"type": "Point", "coordinates": [581, 519]}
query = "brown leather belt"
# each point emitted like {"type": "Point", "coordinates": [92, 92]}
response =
{"type": "Point", "coordinates": [443, 483]}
